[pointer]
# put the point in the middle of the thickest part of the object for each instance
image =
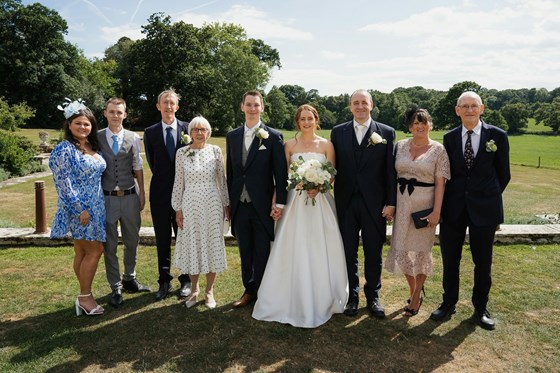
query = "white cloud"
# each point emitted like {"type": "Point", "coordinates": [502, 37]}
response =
{"type": "Point", "coordinates": [113, 34]}
{"type": "Point", "coordinates": [257, 23]}
{"type": "Point", "coordinates": [330, 55]}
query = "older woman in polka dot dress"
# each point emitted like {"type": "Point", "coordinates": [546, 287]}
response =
{"type": "Point", "coordinates": [201, 201]}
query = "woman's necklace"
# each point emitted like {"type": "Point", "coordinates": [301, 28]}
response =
{"type": "Point", "coordinates": [421, 145]}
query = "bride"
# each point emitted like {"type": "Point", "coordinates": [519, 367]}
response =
{"type": "Point", "coordinates": [305, 281]}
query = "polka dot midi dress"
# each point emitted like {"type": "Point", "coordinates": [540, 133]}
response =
{"type": "Point", "coordinates": [200, 191]}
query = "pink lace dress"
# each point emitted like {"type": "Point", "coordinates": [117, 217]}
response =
{"type": "Point", "coordinates": [411, 248]}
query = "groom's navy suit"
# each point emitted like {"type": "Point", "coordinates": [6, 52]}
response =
{"type": "Point", "coordinates": [365, 182]}
{"type": "Point", "coordinates": [161, 186]}
{"type": "Point", "coordinates": [473, 199]}
{"type": "Point", "coordinates": [263, 174]}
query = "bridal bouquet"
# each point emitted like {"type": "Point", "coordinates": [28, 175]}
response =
{"type": "Point", "coordinates": [312, 174]}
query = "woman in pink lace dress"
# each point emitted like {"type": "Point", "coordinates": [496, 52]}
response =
{"type": "Point", "coordinates": [422, 167]}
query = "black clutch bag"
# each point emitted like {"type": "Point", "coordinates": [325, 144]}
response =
{"type": "Point", "coordinates": [419, 223]}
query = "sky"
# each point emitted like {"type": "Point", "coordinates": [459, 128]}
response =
{"type": "Point", "coordinates": [337, 46]}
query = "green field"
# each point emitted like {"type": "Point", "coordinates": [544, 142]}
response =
{"type": "Point", "coordinates": [532, 191]}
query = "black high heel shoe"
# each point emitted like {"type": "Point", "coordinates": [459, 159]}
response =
{"type": "Point", "coordinates": [421, 298]}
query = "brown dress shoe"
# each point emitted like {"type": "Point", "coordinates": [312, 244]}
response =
{"type": "Point", "coordinates": [243, 301]}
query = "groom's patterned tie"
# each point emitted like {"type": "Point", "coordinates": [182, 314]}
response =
{"type": "Point", "coordinates": [469, 153]}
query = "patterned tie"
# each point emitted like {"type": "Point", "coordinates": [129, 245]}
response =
{"type": "Point", "coordinates": [469, 153]}
{"type": "Point", "coordinates": [169, 143]}
{"type": "Point", "coordinates": [115, 146]}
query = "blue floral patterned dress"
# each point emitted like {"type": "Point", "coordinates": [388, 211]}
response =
{"type": "Point", "coordinates": [77, 178]}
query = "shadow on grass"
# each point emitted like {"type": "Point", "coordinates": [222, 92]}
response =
{"type": "Point", "coordinates": [142, 335]}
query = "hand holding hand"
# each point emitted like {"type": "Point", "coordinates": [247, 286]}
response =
{"type": "Point", "coordinates": [388, 213]}
{"type": "Point", "coordinates": [276, 213]}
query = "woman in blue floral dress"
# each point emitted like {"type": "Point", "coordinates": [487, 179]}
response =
{"type": "Point", "coordinates": [77, 169]}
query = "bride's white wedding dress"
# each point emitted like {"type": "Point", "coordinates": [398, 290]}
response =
{"type": "Point", "coordinates": [305, 280]}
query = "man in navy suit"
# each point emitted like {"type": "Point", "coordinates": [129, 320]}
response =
{"type": "Point", "coordinates": [365, 196]}
{"type": "Point", "coordinates": [161, 142]}
{"type": "Point", "coordinates": [479, 159]}
{"type": "Point", "coordinates": [257, 179]}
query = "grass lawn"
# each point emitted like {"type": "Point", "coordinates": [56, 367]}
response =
{"type": "Point", "coordinates": [39, 330]}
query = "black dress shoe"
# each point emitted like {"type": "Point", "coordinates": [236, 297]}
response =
{"type": "Point", "coordinates": [444, 311]}
{"type": "Point", "coordinates": [185, 290]}
{"type": "Point", "coordinates": [376, 309]}
{"type": "Point", "coordinates": [133, 286]}
{"type": "Point", "coordinates": [116, 298]}
{"type": "Point", "coordinates": [351, 308]}
{"type": "Point", "coordinates": [163, 291]}
{"type": "Point", "coordinates": [484, 319]}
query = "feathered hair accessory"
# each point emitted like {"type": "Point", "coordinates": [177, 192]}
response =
{"type": "Point", "coordinates": [71, 108]}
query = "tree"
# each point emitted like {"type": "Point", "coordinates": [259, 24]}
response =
{"type": "Point", "coordinates": [265, 53]}
{"type": "Point", "coordinates": [234, 70]}
{"type": "Point", "coordinates": [295, 94]}
{"type": "Point", "coordinates": [444, 114]}
{"type": "Point", "coordinates": [16, 152]}
{"type": "Point", "coordinates": [279, 110]}
{"type": "Point", "coordinates": [210, 67]}
{"type": "Point", "coordinates": [36, 63]}
{"type": "Point", "coordinates": [14, 116]}
{"type": "Point", "coordinates": [122, 72]}
{"type": "Point", "coordinates": [495, 118]}
{"type": "Point", "coordinates": [516, 116]}
{"type": "Point", "coordinates": [549, 114]}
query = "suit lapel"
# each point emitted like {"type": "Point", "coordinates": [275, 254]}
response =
{"type": "Point", "coordinates": [348, 132]}
{"type": "Point", "coordinates": [368, 152]}
{"type": "Point", "coordinates": [482, 144]}
{"type": "Point", "coordinates": [236, 144]}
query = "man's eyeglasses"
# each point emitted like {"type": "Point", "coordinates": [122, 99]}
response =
{"type": "Point", "coordinates": [467, 107]}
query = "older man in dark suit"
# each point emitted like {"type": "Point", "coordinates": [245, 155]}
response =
{"type": "Point", "coordinates": [161, 142]}
{"type": "Point", "coordinates": [365, 195]}
{"type": "Point", "coordinates": [256, 174]}
{"type": "Point", "coordinates": [479, 159]}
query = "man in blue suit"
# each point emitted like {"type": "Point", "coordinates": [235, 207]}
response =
{"type": "Point", "coordinates": [365, 196]}
{"type": "Point", "coordinates": [257, 176]}
{"type": "Point", "coordinates": [479, 159]}
{"type": "Point", "coordinates": [161, 142]}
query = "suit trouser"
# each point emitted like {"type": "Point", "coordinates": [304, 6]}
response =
{"type": "Point", "coordinates": [254, 246]}
{"type": "Point", "coordinates": [356, 218]}
{"type": "Point", "coordinates": [126, 210]}
{"type": "Point", "coordinates": [163, 218]}
{"type": "Point", "coordinates": [481, 239]}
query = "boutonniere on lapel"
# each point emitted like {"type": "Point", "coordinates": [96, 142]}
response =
{"type": "Point", "coordinates": [190, 153]}
{"type": "Point", "coordinates": [185, 139]}
{"type": "Point", "coordinates": [262, 134]}
{"type": "Point", "coordinates": [375, 139]}
{"type": "Point", "coordinates": [491, 146]}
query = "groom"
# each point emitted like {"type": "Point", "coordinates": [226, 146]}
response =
{"type": "Point", "coordinates": [365, 195]}
{"type": "Point", "coordinates": [256, 171]}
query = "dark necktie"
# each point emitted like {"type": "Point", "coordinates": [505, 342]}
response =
{"type": "Point", "coordinates": [469, 153]}
{"type": "Point", "coordinates": [169, 143]}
